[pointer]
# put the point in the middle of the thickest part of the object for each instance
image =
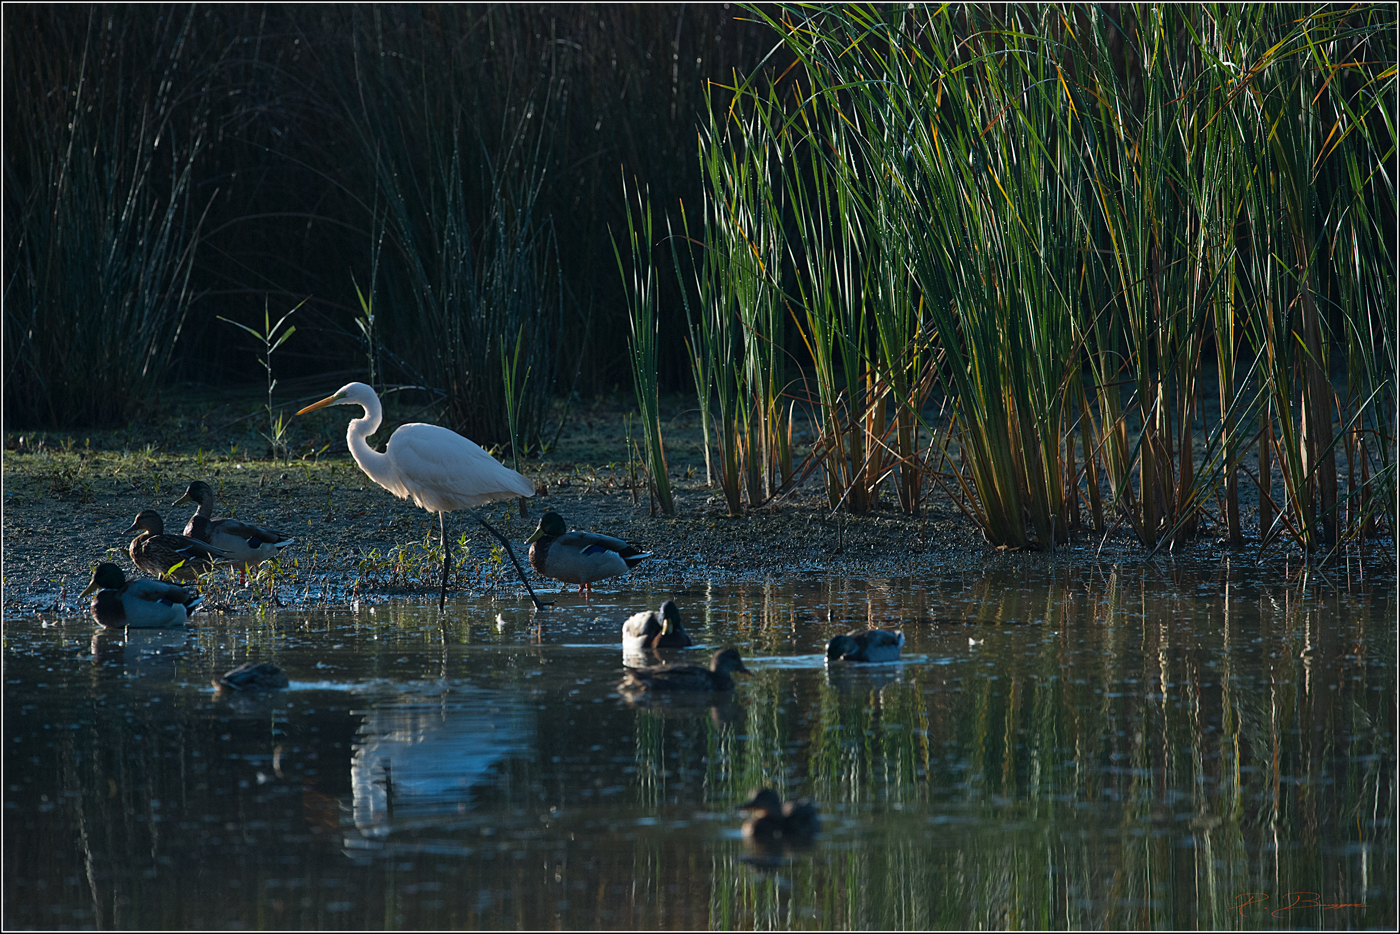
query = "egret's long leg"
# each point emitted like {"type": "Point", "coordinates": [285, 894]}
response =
{"type": "Point", "coordinates": [513, 560]}
{"type": "Point", "coordinates": [446, 560]}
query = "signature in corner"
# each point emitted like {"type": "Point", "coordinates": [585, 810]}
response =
{"type": "Point", "coordinates": [1300, 900]}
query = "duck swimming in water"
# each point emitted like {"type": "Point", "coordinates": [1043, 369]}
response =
{"type": "Point", "coordinates": [655, 630]}
{"type": "Point", "coordinates": [692, 678]}
{"type": "Point", "coordinates": [776, 821]}
{"type": "Point", "coordinates": [252, 676]}
{"type": "Point", "coordinates": [865, 645]}
{"type": "Point", "coordinates": [138, 604]}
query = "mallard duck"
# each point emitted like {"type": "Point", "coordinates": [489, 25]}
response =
{"type": "Point", "coordinates": [244, 544]}
{"type": "Point", "coordinates": [865, 645]}
{"type": "Point", "coordinates": [685, 677]}
{"type": "Point", "coordinates": [655, 630]}
{"type": "Point", "coordinates": [776, 821]}
{"type": "Point", "coordinates": [140, 604]}
{"type": "Point", "coordinates": [579, 557]}
{"type": "Point", "coordinates": [157, 553]}
{"type": "Point", "coordinates": [252, 676]}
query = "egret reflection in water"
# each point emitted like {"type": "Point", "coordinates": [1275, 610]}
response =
{"type": "Point", "coordinates": [419, 756]}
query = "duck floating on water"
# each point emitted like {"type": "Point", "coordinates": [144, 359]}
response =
{"type": "Point", "coordinates": [243, 543]}
{"type": "Point", "coordinates": [252, 676]}
{"type": "Point", "coordinates": [655, 629]}
{"type": "Point", "coordinates": [138, 604]}
{"type": "Point", "coordinates": [163, 555]}
{"type": "Point", "coordinates": [579, 557]}
{"type": "Point", "coordinates": [865, 645]}
{"type": "Point", "coordinates": [774, 821]}
{"type": "Point", "coordinates": [691, 678]}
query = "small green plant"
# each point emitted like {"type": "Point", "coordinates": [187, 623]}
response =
{"type": "Point", "coordinates": [366, 325]}
{"type": "Point", "coordinates": [273, 336]}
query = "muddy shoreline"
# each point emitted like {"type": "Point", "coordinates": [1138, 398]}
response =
{"type": "Point", "coordinates": [67, 499]}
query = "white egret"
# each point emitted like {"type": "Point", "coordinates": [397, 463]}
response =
{"type": "Point", "coordinates": [436, 468]}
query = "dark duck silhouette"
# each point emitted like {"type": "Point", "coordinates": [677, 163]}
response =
{"type": "Point", "coordinates": [252, 676]}
{"type": "Point", "coordinates": [774, 821]}
{"type": "Point", "coordinates": [865, 645]}
{"type": "Point", "coordinates": [685, 678]}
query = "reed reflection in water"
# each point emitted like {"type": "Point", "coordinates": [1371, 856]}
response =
{"type": "Point", "coordinates": [1063, 748]}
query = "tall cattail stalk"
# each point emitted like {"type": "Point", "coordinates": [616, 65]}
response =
{"type": "Point", "coordinates": [1064, 204]}
{"type": "Point", "coordinates": [640, 288]}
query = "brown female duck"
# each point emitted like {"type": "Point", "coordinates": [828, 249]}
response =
{"type": "Point", "coordinates": [163, 555]}
{"type": "Point", "coordinates": [690, 678]}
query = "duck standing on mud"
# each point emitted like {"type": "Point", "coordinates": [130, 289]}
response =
{"type": "Point", "coordinates": [245, 544]}
{"type": "Point", "coordinates": [579, 557]}
{"type": "Point", "coordinates": [164, 555]}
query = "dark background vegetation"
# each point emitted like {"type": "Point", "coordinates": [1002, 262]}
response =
{"type": "Point", "coordinates": [253, 131]}
{"type": "Point", "coordinates": [1076, 225]}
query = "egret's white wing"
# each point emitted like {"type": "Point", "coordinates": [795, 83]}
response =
{"type": "Point", "coordinates": [441, 471]}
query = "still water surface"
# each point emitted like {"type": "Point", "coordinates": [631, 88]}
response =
{"type": "Point", "coordinates": [1147, 748]}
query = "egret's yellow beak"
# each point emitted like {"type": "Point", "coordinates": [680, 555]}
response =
{"type": "Point", "coordinates": [329, 400]}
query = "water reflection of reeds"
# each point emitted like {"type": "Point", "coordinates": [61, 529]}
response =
{"type": "Point", "coordinates": [1119, 748]}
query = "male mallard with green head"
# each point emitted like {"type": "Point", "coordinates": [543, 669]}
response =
{"type": "Point", "coordinates": [139, 604]}
{"type": "Point", "coordinates": [174, 555]}
{"type": "Point", "coordinates": [243, 543]}
{"type": "Point", "coordinates": [579, 557]}
{"type": "Point", "coordinates": [655, 630]}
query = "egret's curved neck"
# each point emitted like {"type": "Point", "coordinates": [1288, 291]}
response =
{"type": "Point", "coordinates": [370, 460]}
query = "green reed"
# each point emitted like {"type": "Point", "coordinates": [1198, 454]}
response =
{"type": "Point", "coordinates": [102, 220]}
{"type": "Point", "coordinates": [640, 289]}
{"type": "Point", "coordinates": [1071, 211]}
{"type": "Point", "coordinates": [743, 316]}
{"type": "Point", "coordinates": [466, 255]}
